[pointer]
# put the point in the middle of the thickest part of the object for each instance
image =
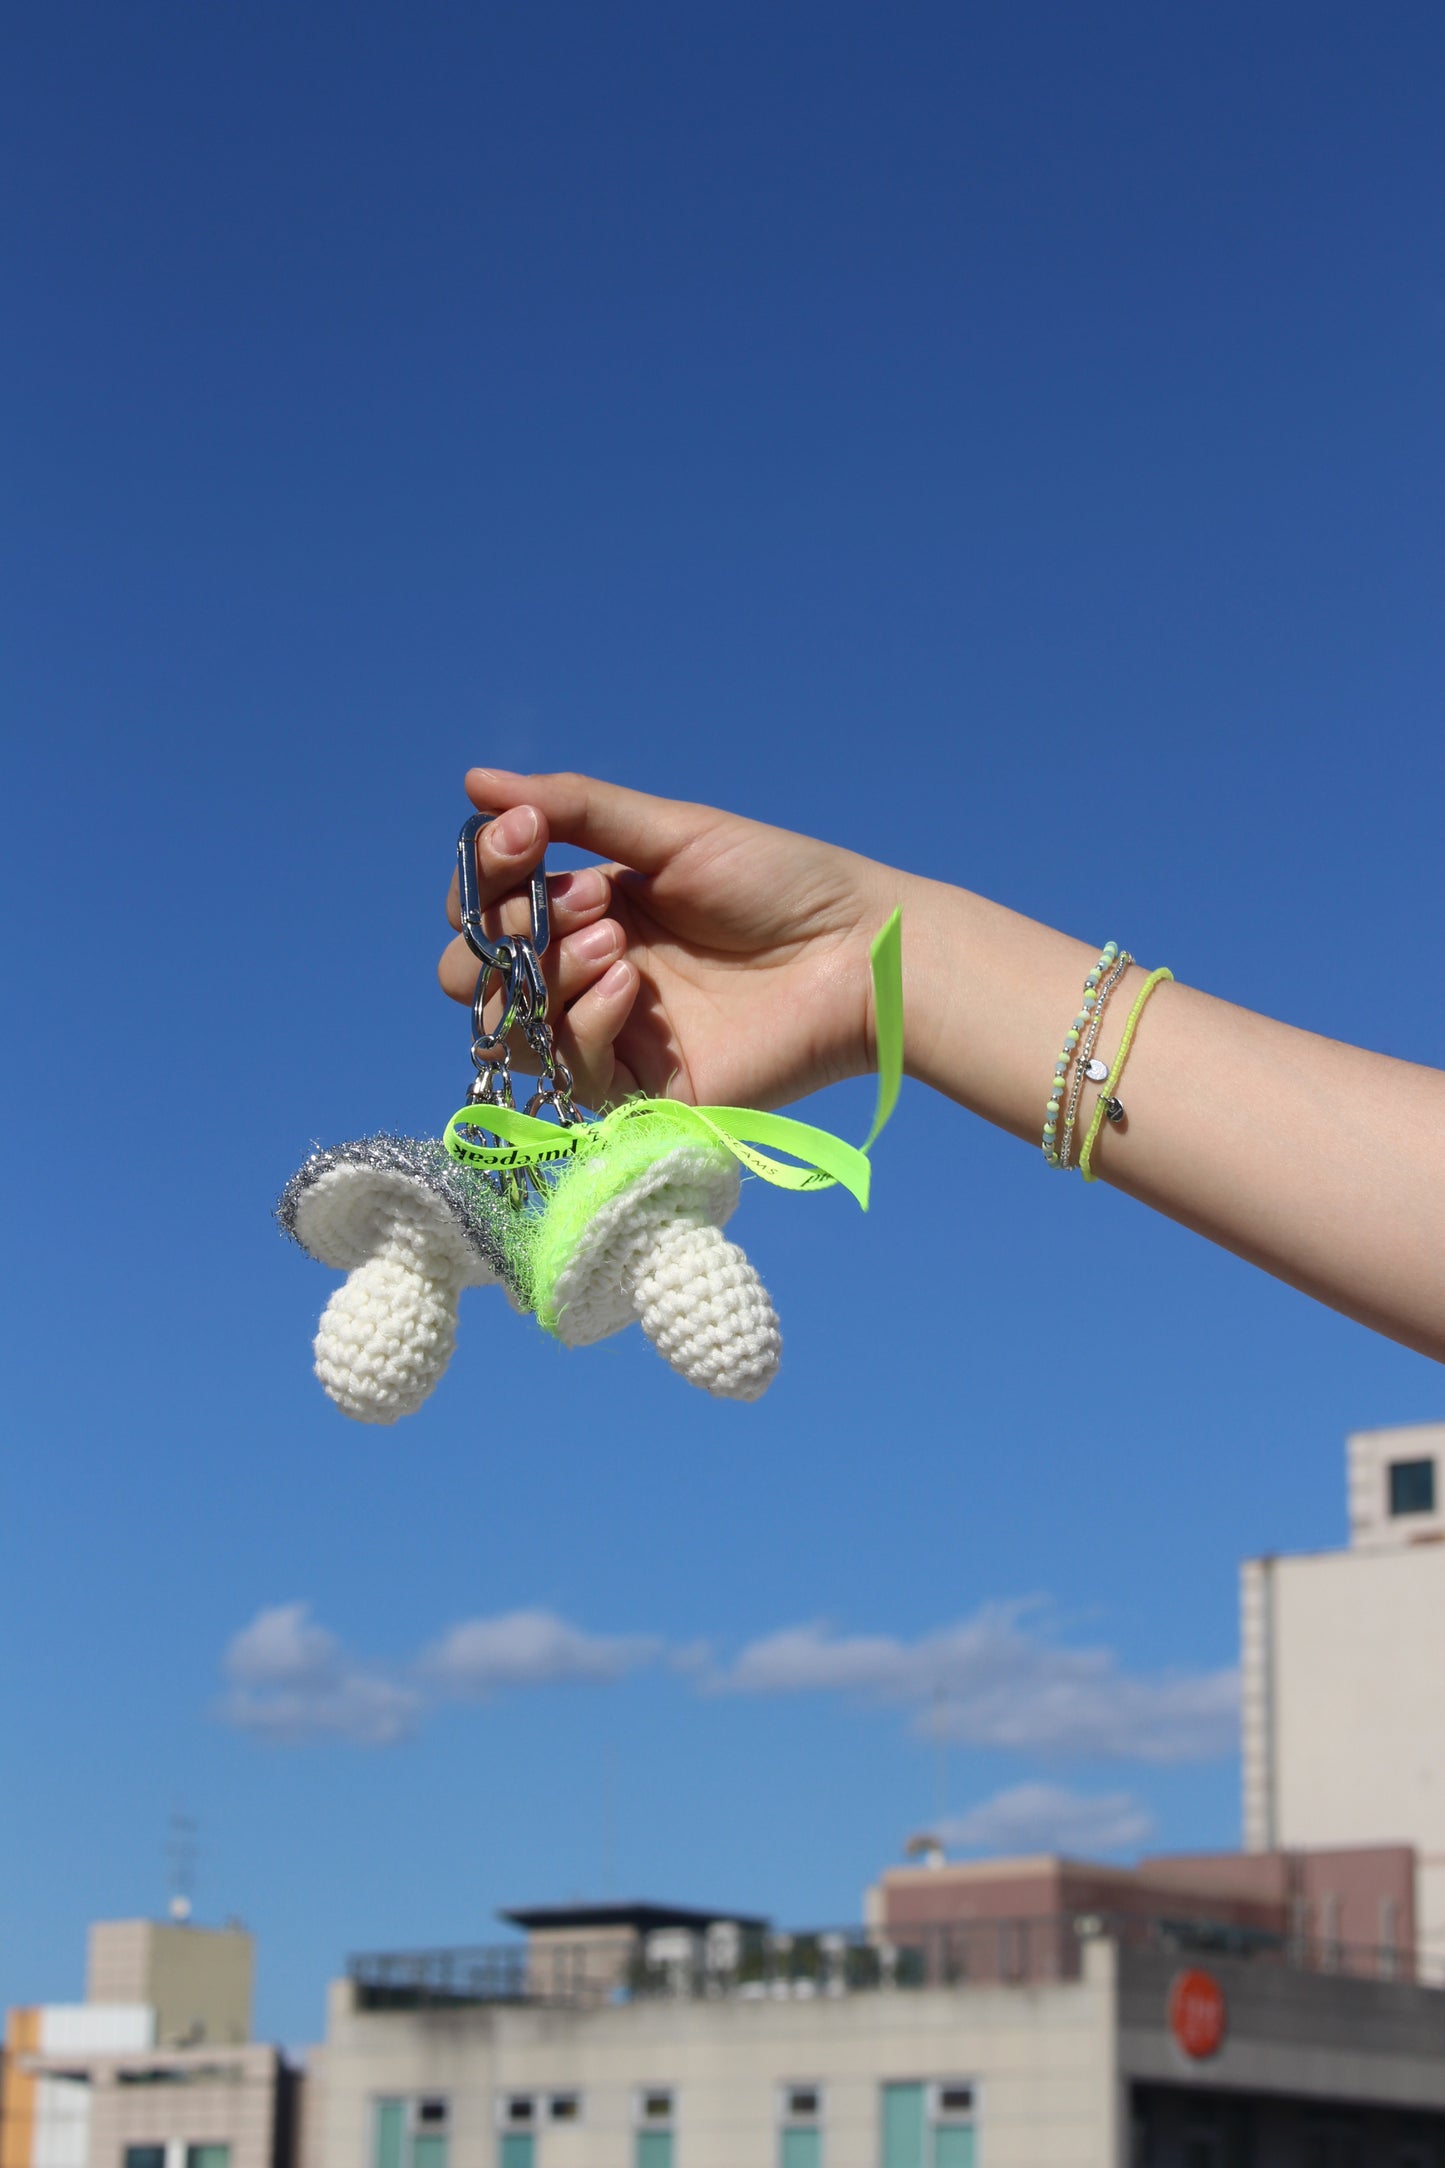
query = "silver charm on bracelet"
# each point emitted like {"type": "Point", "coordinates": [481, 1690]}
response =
{"type": "Point", "coordinates": [1088, 1067]}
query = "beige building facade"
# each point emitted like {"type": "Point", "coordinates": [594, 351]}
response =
{"type": "Point", "coordinates": [155, 2069]}
{"type": "Point", "coordinates": [1055, 2042]}
{"type": "Point", "coordinates": [1344, 1680]}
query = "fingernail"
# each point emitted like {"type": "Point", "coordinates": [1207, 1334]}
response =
{"type": "Point", "coordinates": [503, 775]}
{"type": "Point", "coordinates": [617, 980]}
{"type": "Point", "coordinates": [594, 942]}
{"type": "Point", "coordinates": [582, 889]}
{"type": "Point", "coordinates": [513, 833]}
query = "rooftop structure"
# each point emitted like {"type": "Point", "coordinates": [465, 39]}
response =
{"type": "Point", "coordinates": [1350, 1909]}
{"type": "Point", "coordinates": [197, 1980]}
{"type": "Point", "coordinates": [635, 1918]}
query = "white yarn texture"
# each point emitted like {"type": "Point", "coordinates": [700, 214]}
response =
{"type": "Point", "coordinates": [656, 1253]}
{"type": "Point", "coordinates": [704, 1308]}
{"type": "Point", "coordinates": [387, 1334]}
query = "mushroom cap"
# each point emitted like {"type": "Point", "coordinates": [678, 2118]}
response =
{"type": "Point", "coordinates": [584, 1272]}
{"type": "Point", "coordinates": [345, 1203]}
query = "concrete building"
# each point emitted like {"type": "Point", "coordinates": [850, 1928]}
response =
{"type": "Point", "coordinates": [1344, 1679]}
{"type": "Point", "coordinates": [155, 2069]}
{"type": "Point", "coordinates": [1057, 2040]}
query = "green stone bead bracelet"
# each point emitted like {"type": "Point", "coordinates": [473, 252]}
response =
{"type": "Point", "coordinates": [1108, 956]}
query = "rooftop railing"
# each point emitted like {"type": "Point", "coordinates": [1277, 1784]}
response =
{"type": "Point", "coordinates": [728, 1962]}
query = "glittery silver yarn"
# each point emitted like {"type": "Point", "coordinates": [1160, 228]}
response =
{"type": "Point", "coordinates": [489, 1226]}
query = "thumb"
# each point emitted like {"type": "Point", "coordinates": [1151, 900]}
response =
{"type": "Point", "coordinates": [630, 826]}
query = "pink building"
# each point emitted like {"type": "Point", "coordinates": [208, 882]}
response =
{"type": "Point", "coordinates": [1346, 1910]}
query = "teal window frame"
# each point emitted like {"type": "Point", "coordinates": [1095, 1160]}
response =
{"type": "Point", "coordinates": [800, 2145]}
{"type": "Point", "coordinates": [654, 2137]}
{"type": "Point", "coordinates": [800, 2130]}
{"type": "Point", "coordinates": [903, 2124]}
{"type": "Point", "coordinates": [399, 2140]}
{"type": "Point", "coordinates": [952, 2133]}
{"type": "Point", "coordinates": [915, 2131]}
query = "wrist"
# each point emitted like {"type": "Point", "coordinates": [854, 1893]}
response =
{"type": "Point", "coordinates": [986, 993]}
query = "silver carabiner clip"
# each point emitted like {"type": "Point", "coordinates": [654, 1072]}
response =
{"type": "Point", "coordinates": [514, 958]}
{"type": "Point", "coordinates": [501, 953]}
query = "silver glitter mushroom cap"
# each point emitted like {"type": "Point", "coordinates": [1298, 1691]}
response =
{"type": "Point", "coordinates": [655, 1251]}
{"type": "Point", "coordinates": [410, 1229]}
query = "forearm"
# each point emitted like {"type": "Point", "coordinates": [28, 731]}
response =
{"type": "Point", "coordinates": [1315, 1160]}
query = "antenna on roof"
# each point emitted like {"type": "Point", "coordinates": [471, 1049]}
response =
{"type": "Point", "coordinates": [609, 1820]}
{"type": "Point", "coordinates": [181, 1849]}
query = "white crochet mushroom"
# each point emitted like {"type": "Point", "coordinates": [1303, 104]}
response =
{"type": "Point", "coordinates": [410, 1230]}
{"type": "Point", "coordinates": [644, 1240]}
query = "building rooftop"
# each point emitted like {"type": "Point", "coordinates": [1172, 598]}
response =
{"type": "Point", "coordinates": [641, 1918]}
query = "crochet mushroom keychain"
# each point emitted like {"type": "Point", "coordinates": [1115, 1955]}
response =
{"type": "Point", "coordinates": [590, 1224]}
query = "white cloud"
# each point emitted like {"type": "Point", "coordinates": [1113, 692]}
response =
{"type": "Point", "coordinates": [292, 1681]}
{"type": "Point", "coordinates": [1049, 1818]}
{"type": "Point", "coordinates": [998, 1679]}
{"type": "Point", "coordinates": [481, 1656]}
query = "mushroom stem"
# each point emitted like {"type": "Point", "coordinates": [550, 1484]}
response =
{"type": "Point", "coordinates": [705, 1310]}
{"type": "Point", "coordinates": [387, 1334]}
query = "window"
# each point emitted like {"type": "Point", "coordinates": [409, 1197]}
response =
{"type": "Point", "coordinates": [800, 2141]}
{"type": "Point", "coordinates": [652, 2140]}
{"type": "Point", "coordinates": [929, 2126]}
{"type": "Point", "coordinates": [1412, 1486]}
{"type": "Point", "coordinates": [517, 2113]}
{"type": "Point", "coordinates": [404, 2134]}
{"type": "Point", "coordinates": [144, 2156]}
{"type": "Point", "coordinates": [952, 2133]}
{"type": "Point", "coordinates": [208, 2156]}
{"type": "Point", "coordinates": [565, 2108]}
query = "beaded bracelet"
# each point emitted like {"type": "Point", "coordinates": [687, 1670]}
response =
{"type": "Point", "coordinates": [1109, 1108]}
{"type": "Point", "coordinates": [1085, 1066]}
{"type": "Point", "coordinates": [1108, 955]}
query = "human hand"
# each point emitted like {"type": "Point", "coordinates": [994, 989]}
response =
{"type": "Point", "coordinates": [711, 959]}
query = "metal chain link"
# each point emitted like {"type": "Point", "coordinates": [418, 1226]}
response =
{"type": "Point", "coordinates": [515, 959]}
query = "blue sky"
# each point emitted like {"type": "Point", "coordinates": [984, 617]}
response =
{"type": "Point", "coordinates": [1005, 441]}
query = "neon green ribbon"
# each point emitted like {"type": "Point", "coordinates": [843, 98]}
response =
{"type": "Point", "coordinates": [826, 1159]}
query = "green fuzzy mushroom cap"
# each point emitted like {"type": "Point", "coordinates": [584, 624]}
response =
{"type": "Point", "coordinates": [643, 1167]}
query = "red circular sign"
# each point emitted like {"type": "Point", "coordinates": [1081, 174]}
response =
{"type": "Point", "coordinates": [1197, 2013]}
